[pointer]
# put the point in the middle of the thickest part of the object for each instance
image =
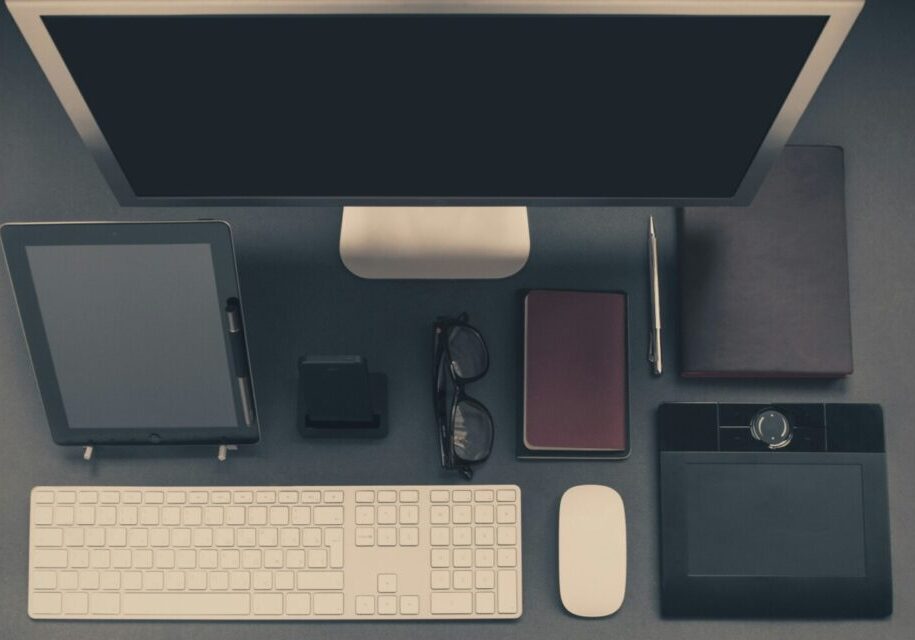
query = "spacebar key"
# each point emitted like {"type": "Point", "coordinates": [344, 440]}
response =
{"type": "Point", "coordinates": [185, 604]}
{"type": "Point", "coordinates": [444, 603]}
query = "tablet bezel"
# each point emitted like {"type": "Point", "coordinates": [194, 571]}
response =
{"type": "Point", "coordinates": [17, 237]}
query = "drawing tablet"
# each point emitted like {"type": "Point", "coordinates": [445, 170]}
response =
{"type": "Point", "coordinates": [135, 331]}
{"type": "Point", "coordinates": [774, 511]}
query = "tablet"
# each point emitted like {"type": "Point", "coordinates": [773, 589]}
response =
{"type": "Point", "coordinates": [774, 511]}
{"type": "Point", "coordinates": [135, 331]}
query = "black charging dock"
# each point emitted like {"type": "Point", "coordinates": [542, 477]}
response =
{"type": "Point", "coordinates": [339, 398]}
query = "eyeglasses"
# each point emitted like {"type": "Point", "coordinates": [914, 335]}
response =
{"type": "Point", "coordinates": [466, 432]}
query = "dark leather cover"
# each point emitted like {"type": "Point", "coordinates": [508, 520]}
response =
{"type": "Point", "coordinates": [764, 288]}
{"type": "Point", "coordinates": [575, 373]}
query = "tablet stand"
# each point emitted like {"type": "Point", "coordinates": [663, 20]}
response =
{"type": "Point", "coordinates": [221, 453]}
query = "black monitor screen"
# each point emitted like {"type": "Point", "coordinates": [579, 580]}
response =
{"type": "Point", "coordinates": [135, 334]}
{"type": "Point", "coordinates": [775, 520]}
{"type": "Point", "coordinates": [428, 106]}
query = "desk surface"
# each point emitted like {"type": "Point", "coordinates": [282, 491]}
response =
{"type": "Point", "coordinates": [299, 299]}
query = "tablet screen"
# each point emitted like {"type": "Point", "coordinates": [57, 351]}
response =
{"type": "Point", "coordinates": [135, 334]}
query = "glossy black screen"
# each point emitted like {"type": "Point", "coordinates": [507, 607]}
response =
{"type": "Point", "coordinates": [435, 106]}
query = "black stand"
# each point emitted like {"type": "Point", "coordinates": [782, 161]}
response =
{"type": "Point", "coordinates": [339, 398]}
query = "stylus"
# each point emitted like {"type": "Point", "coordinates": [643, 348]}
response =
{"type": "Point", "coordinates": [654, 341]}
{"type": "Point", "coordinates": [233, 314]}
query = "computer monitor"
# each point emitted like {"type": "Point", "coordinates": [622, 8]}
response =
{"type": "Point", "coordinates": [413, 113]}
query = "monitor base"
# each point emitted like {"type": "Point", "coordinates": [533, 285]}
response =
{"type": "Point", "coordinates": [434, 242]}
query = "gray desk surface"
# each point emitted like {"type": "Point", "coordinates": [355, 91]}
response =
{"type": "Point", "coordinates": [299, 300]}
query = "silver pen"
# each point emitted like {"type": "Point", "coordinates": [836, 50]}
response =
{"type": "Point", "coordinates": [654, 340]}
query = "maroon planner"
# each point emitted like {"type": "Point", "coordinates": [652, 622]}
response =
{"type": "Point", "coordinates": [575, 375]}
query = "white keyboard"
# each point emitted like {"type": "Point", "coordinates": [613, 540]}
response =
{"type": "Point", "coordinates": [274, 553]}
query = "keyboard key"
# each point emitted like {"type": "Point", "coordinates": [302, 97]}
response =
{"type": "Point", "coordinates": [317, 558]}
{"type": "Point", "coordinates": [440, 536]}
{"type": "Point", "coordinates": [365, 515]}
{"type": "Point", "coordinates": [279, 515]}
{"type": "Point", "coordinates": [76, 603]}
{"type": "Point", "coordinates": [311, 497]}
{"type": "Point", "coordinates": [409, 514]}
{"type": "Point", "coordinates": [239, 580]}
{"type": "Point", "coordinates": [63, 515]}
{"type": "Point", "coordinates": [298, 604]}
{"type": "Point", "coordinates": [387, 515]}
{"type": "Point", "coordinates": [43, 515]}
{"type": "Point", "coordinates": [508, 591]}
{"type": "Point", "coordinates": [483, 557]}
{"type": "Point", "coordinates": [273, 558]}
{"type": "Point", "coordinates": [485, 602]}
{"type": "Point", "coordinates": [154, 497]}
{"type": "Point", "coordinates": [461, 514]}
{"type": "Point", "coordinates": [409, 495]}
{"type": "Point", "coordinates": [319, 580]}
{"type": "Point", "coordinates": [365, 537]}
{"type": "Point", "coordinates": [387, 537]}
{"type": "Point", "coordinates": [441, 558]}
{"type": "Point", "coordinates": [483, 514]}
{"type": "Point", "coordinates": [505, 495]}
{"type": "Point", "coordinates": [365, 605]}
{"type": "Point", "coordinates": [43, 497]}
{"type": "Point", "coordinates": [127, 514]}
{"type": "Point", "coordinates": [174, 580]}
{"type": "Point", "coordinates": [66, 497]}
{"type": "Point", "coordinates": [440, 514]}
{"type": "Point", "coordinates": [220, 497]}
{"type": "Point", "coordinates": [387, 496]}
{"type": "Point", "coordinates": [461, 495]}
{"type": "Point", "coordinates": [387, 605]}
{"type": "Point", "coordinates": [333, 497]}
{"type": "Point", "coordinates": [483, 495]}
{"type": "Point", "coordinates": [438, 495]}
{"type": "Point", "coordinates": [105, 603]}
{"type": "Point", "coordinates": [461, 536]}
{"type": "Point", "coordinates": [265, 497]}
{"type": "Point", "coordinates": [507, 557]}
{"type": "Point", "coordinates": [506, 514]}
{"type": "Point", "coordinates": [186, 604]}
{"type": "Point", "coordinates": [462, 580]}
{"type": "Point", "coordinates": [44, 580]}
{"type": "Point", "coordinates": [50, 559]}
{"type": "Point", "coordinates": [507, 535]}
{"type": "Point", "coordinates": [218, 581]}
{"type": "Point", "coordinates": [366, 496]}
{"type": "Point", "coordinates": [409, 605]}
{"type": "Point", "coordinates": [463, 558]}
{"type": "Point", "coordinates": [451, 603]}
{"type": "Point", "coordinates": [328, 515]}
{"type": "Point", "coordinates": [243, 497]}
{"type": "Point", "coordinates": [301, 515]}
{"type": "Point", "coordinates": [67, 580]}
{"type": "Point", "coordinates": [175, 497]}
{"type": "Point", "coordinates": [48, 537]}
{"type": "Point", "coordinates": [85, 515]}
{"type": "Point", "coordinates": [485, 579]}
{"type": "Point", "coordinates": [45, 603]}
{"type": "Point", "coordinates": [311, 537]}
{"type": "Point", "coordinates": [409, 537]}
{"type": "Point", "coordinates": [440, 579]}
{"type": "Point", "coordinates": [327, 604]}
{"type": "Point", "coordinates": [333, 538]}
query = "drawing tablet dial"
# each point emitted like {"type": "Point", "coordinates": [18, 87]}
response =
{"type": "Point", "coordinates": [772, 428]}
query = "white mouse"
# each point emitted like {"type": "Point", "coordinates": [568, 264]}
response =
{"type": "Point", "coordinates": [592, 550]}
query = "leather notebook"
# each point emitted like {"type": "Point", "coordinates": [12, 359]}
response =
{"type": "Point", "coordinates": [764, 288]}
{"type": "Point", "coordinates": [575, 375]}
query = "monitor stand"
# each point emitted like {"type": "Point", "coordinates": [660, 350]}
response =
{"type": "Point", "coordinates": [434, 242]}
